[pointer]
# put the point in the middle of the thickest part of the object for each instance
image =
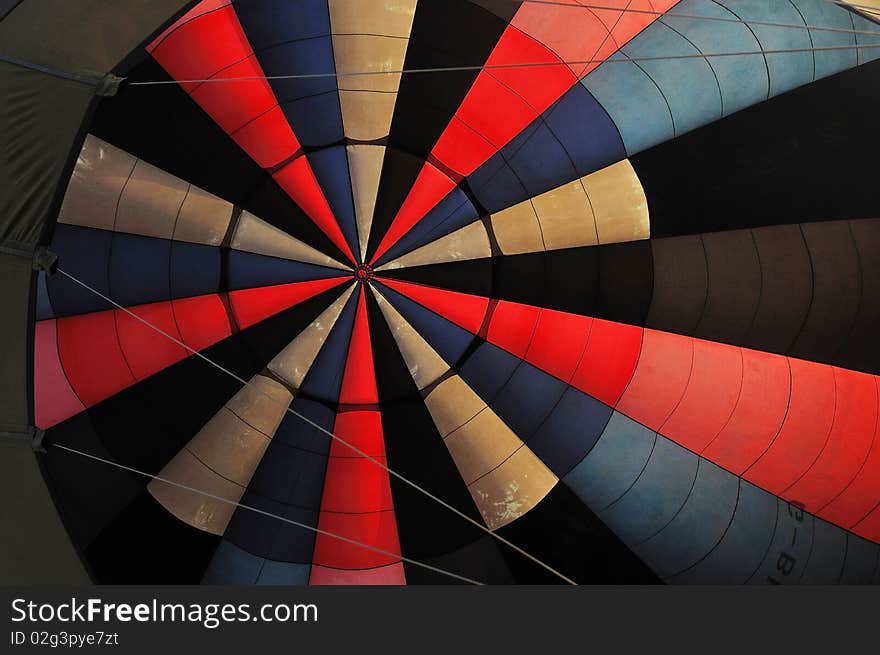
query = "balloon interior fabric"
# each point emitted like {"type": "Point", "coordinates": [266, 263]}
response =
{"type": "Point", "coordinates": [602, 277]}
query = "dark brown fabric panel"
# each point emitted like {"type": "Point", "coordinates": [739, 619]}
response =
{"type": "Point", "coordinates": [786, 288]}
{"type": "Point", "coordinates": [862, 348]}
{"type": "Point", "coordinates": [680, 284]}
{"type": "Point", "coordinates": [836, 274]}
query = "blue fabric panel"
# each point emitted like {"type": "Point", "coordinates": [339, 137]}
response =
{"type": "Point", "coordinates": [82, 252]}
{"type": "Point", "coordinates": [694, 103]}
{"type": "Point", "coordinates": [140, 269]}
{"type": "Point", "coordinates": [293, 38]}
{"type": "Point", "coordinates": [449, 340]}
{"type": "Point", "coordinates": [787, 70]}
{"type": "Point", "coordinates": [195, 269]}
{"type": "Point", "coordinates": [232, 565]}
{"type": "Point", "coordinates": [570, 432]}
{"type": "Point", "coordinates": [861, 560]}
{"type": "Point", "coordinates": [656, 497]}
{"type": "Point", "coordinates": [636, 105]}
{"type": "Point", "coordinates": [743, 545]}
{"type": "Point", "coordinates": [284, 573]}
{"type": "Point", "coordinates": [586, 131]}
{"type": "Point", "coordinates": [324, 379]}
{"type": "Point", "coordinates": [273, 22]}
{"type": "Point", "coordinates": [742, 79]}
{"type": "Point", "coordinates": [454, 212]}
{"type": "Point", "coordinates": [296, 433]}
{"type": "Point", "coordinates": [44, 305]}
{"type": "Point", "coordinates": [698, 527]}
{"type": "Point", "coordinates": [331, 168]}
{"type": "Point", "coordinates": [614, 463]}
{"type": "Point", "coordinates": [527, 400]}
{"type": "Point", "coordinates": [827, 555]}
{"type": "Point", "coordinates": [824, 14]}
{"type": "Point", "coordinates": [292, 475]}
{"type": "Point", "coordinates": [488, 369]}
{"type": "Point", "coordinates": [866, 54]}
{"type": "Point", "coordinates": [789, 551]}
{"type": "Point", "coordinates": [248, 270]}
{"type": "Point", "coordinates": [268, 537]}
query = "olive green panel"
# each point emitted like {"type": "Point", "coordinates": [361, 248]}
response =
{"type": "Point", "coordinates": [82, 36]}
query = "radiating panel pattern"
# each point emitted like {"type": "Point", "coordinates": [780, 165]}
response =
{"type": "Point", "coordinates": [373, 289]}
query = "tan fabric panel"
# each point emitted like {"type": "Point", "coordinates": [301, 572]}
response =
{"type": "Point", "coordinates": [262, 404]}
{"type": "Point", "coordinates": [229, 446]}
{"type": "Point", "coordinates": [365, 169]}
{"type": "Point", "coordinates": [517, 229]}
{"type": "Point", "coordinates": [566, 217]}
{"type": "Point", "coordinates": [255, 235]}
{"type": "Point", "coordinates": [198, 510]}
{"type": "Point", "coordinates": [203, 218]}
{"type": "Point", "coordinates": [150, 202]}
{"type": "Point", "coordinates": [512, 489]}
{"type": "Point", "coordinates": [100, 175]}
{"type": "Point", "coordinates": [224, 455]}
{"type": "Point", "coordinates": [870, 8]}
{"type": "Point", "coordinates": [481, 445]}
{"type": "Point", "coordinates": [470, 242]}
{"type": "Point", "coordinates": [619, 203]}
{"type": "Point", "coordinates": [608, 206]}
{"type": "Point", "coordinates": [369, 37]}
{"type": "Point", "coordinates": [388, 17]}
{"type": "Point", "coordinates": [452, 404]}
{"type": "Point", "coordinates": [423, 362]}
{"type": "Point", "coordinates": [293, 363]}
{"type": "Point", "coordinates": [367, 115]}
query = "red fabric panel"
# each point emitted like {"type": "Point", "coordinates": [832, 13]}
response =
{"type": "Point", "coordinates": [252, 97]}
{"type": "Point", "coordinates": [804, 431]}
{"type": "Point", "coordinates": [202, 320]}
{"type": "Point", "coordinates": [869, 527]}
{"type": "Point", "coordinates": [430, 187]}
{"type": "Point", "coordinates": [359, 379]}
{"type": "Point", "coordinates": [863, 493]}
{"type": "Point", "coordinates": [145, 349]}
{"type": "Point", "coordinates": [363, 430]}
{"type": "Point", "coordinates": [267, 138]}
{"type": "Point", "coordinates": [250, 306]}
{"type": "Point", "coordinates": [758, 415]}
{"type": "Point", "coordinates": [845, 452]}
{"type": "Point", "coordinates": [377, 529]}
{"type": "Point", "coordinates": [660, 378]}
{"type": "Point", "coordinates": [393, 574]}
{"type": "Point", "coordinates": [54, 400]}
{"type": "Point", "coordinates": [90, 354]}
{"type": "Point", "coordinates": [465, 310]}
{"type": "Point", "coordinates": [558, 343]}
{"type": "Point", "coordinates": [512, 326]}
{"type": "Point", "coordinates": [356, 485]}
{"type": "Point", "coordinates": [609, 360]}
{"type": "Point", "coordinates": [300, 183]}
{"type": "Point", "coordinates": [710, 397]}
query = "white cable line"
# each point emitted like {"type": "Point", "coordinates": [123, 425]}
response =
{"type": "Point", "coordinates": [541, 64]}
{"type": "Point", "coordinates": [269, 514]}
{"type": "Point", "coordinates": [375, 461]}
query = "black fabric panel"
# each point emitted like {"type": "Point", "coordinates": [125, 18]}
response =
{"type": "Point", "coordinates": [164, 126]}
{"type": "Point", "coordinates": [399, 172]}
{"type": "Point", "coordinates": [807, 155]}
{"type": "Point", "coordinates": [581, 547]}
{"type": "Point", "coordinates": [146, 544]}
